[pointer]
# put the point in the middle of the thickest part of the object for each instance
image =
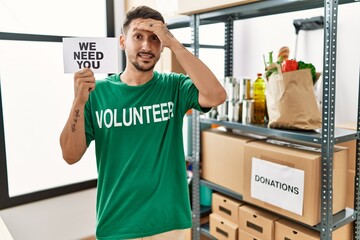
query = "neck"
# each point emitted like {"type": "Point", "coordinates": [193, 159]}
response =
{"type": "Point", "coordinates": [136, 78]}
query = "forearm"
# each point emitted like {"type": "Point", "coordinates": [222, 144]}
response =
{"type": "Point", "coordinates": [73, 138]}
{"type": "Point", "coordinates": [211, 92]}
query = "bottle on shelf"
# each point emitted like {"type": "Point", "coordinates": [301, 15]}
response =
{"type": "Point", "coordinates": [259, 100]}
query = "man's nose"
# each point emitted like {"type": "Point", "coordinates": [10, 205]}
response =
{"type": "Point", "coordinates": [146, 46]}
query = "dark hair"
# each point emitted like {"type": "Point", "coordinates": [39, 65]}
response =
{"type": "Point", "coordinates": [143, 12]}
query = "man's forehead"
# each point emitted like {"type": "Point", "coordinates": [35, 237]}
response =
{"type": "Point", "coordinates": [135, 22]}
{"type": "Point", "coordinates": [133, 26]}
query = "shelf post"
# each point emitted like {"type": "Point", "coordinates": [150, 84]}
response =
{"type": "Point", "coordinates": [328, 112]}
{"type": "Point", "coordinates": [229, 35]}
{"type": "Point", "coordinates": [194, 25]}
{"type": "Point", "coordinates": [357, 177]}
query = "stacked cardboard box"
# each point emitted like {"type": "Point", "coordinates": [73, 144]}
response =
{"type": "Point", "coordinates": [228, 159]}
{"type": "Point", "coordinates": [255, 223]}
{"type": "Point", "coordinates": [224, 217]}
{"type": "Point", "coordinates": [306, 162]}
{"type": "Point", "coordinates": [286, 229]}
{"type": "Point", "coordinates": [223, 158]}
{"type": "Point", "coordinates": [235, 220]}
{"type": "Point", "coordinates": [351, 145]}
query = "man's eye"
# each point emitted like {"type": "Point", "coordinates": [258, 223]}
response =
{"type": "Point", "coordinates": [155, 38]}
{"type": "Point", "coordinates": [137, 36]}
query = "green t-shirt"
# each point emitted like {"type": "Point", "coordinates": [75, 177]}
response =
{"type": "Point", "coordinates": [142, 182]}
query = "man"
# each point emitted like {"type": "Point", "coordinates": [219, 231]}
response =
{"type": "Point", "coordinates": [135, 118]}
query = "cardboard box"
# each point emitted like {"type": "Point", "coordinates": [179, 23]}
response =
{"type": "Point", "coordinates": [188, 7]}
{"type": "Point", "coordinates": [246, 236]}
{"type": "Point", "coordinates": [223, 158]}
{"type": "Point", "coordinates": [286, 229]}
{"type": "Point", "coordinates": [226, 207]}
{"type": "Point", "coordinates": [257, 222]}
{"type": "Point", "coordinates": [351, 145]}
{"type": "Point", "coordinates": [223, 229]}
{"type": "Point", "coordinates": [307, 162]}
{"type": "Point", "coordinates": [169, 63]}
{"type": "Point", "coordinates": [350, 196]}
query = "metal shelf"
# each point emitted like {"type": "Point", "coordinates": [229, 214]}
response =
{"type": "Point", "coordinates": [339, 219]}
{"type": "Point", "coordinates": [221, 189]}
{"type": "Point", "coordinates": [205, 210]}
{"type": "Point", "coordinates": [348, 213]}
{"type": "Point", "coordinates": [205, 230]}
{"type": "Point", "coordinates": [326, 137]}
{"type": "Point", "coordinates": [341, 135]}
{"type": "Point", "coordinates": [342, 218]}
{"type": "Point", "coordinates": [261, 8]}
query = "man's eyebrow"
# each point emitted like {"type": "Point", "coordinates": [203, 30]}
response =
{"type": "Point", "coordinates": [135, 28]}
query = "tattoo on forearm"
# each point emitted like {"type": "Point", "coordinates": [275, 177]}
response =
{"type": "Point", "coordinates": [77, 115]}
{"type": "Point", "coordinates": [75, 120]}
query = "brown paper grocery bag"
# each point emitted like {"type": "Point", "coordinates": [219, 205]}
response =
{"type": "Point", "coordinates": [291, 101]}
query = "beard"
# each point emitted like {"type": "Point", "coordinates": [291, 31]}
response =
{"type": "Point", "coordinates": [147, 66]}
{"type": "Point", "coordinates": [143, 68]}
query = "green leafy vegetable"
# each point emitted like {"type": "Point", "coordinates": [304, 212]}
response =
{"type": "Point", "coordinates": [303, 65]}
{"type": "Point", "coordinates": [272, 67]}
{"type": "Point", "coordinates": [270, 57]}
{"type": "Point", "coordinates": [270, 71]}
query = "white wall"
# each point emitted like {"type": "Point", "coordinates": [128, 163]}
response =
{"type": "Point", "coordinates": [258, 36]}
{"type": "Point", "coordinates": [67, 217]}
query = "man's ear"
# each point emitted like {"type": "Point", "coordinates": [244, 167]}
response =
{"type": "Point", "coordinates": [122, 41]}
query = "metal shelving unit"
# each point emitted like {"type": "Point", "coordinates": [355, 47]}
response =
{"type": "Point", "coordinates": [339, 219]}
{"type": "Point", "coordinates": [326, 138]}
{"type": "Point", "coordinates": [314, 137]}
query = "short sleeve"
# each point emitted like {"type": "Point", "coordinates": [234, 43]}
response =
{"type": "Point", "coordinates": [189, 92]}
{"type": "Point", "coordinates": [89, 129]}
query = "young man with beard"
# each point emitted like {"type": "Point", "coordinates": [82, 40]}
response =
{"type": "Point", "coordinates": [135, 119]}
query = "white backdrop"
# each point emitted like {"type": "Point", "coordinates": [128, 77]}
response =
{"type": "Point", "coordinates": [36, 105]}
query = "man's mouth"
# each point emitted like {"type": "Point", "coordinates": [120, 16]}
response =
{"type": "Point", "coordinates": [146, 55]}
